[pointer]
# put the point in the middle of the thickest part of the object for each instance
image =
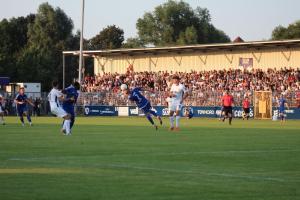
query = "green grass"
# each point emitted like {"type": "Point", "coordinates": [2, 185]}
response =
{"type": "Point", "coordinates": [124, 158]}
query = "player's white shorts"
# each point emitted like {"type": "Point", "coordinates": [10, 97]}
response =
{"type": "Point", "coordinates": [1, 110]}
{"type": "Point", "coordinates": [174, 106]}
{"type": "Point", "coordinates": [59, 112]}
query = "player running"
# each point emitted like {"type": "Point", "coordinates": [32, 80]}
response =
{"type": "Point", "coordinates": [177, 94]}
{"type": "Point", "coordinates": [21, 102]}
{"type": "Point", "coordinates": [54, 97]}
{"type": "Point", "coordinates": [141, 102]}
{"type": "Point", "coordinates": [281, 105]}
{"type": "Point", "coordinates": [69, 102]}
{"type": "Point", "coordinates": [246, 108]}
{"type": "Point", "coordinates": [227, 102]}
{"type": "Point", "coordinates": [2, 110]}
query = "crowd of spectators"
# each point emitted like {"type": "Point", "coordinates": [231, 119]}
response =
{"type": "Point", "coordinates": [205, 87]}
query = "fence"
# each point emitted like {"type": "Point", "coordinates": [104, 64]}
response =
{"type": "Point", "coordinates": [195, 98]}
{"type": "Point", "coordinates": [110, 98]}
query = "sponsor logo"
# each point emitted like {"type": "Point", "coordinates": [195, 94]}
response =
{"type": "Point", "coordinates": [86, 110]}
{"type": "Point", "coordinates": [205, 112]}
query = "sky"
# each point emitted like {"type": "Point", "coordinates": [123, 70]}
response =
{"type": "Point", "coordinates": [252, 20]}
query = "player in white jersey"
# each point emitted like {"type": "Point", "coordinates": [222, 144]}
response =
{"type": "Point", "coordinates": [54, 97]}
{"type": "Point", "coordinates": [177, 94]}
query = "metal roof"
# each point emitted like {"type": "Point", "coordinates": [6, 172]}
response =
{"type": "Point", "coordinates": [256, 45]}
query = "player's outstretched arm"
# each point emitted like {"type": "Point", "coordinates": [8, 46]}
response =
{"type": "Point", "coordinates": [18, 102]}
{"type": "Point", "coordinates": [30, 102]}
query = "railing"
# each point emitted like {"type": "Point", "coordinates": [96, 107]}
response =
{"type": "Point", "coordinates": [195, 98]}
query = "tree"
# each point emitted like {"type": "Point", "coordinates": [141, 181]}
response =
{"type": "Point", "coordinates": [110, 37]}
{"type": "Point", "coordinates": [290, 32]}
{"type": "Point", "coordinates": [178, 23]}
{"type": "Point", "coordinates": [133, 43]}
{"type": "Point", "coordinates": [13, 38]}
{"type": "Point", "coordinates": [41, 60]}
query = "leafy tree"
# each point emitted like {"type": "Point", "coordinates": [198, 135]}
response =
{"type": "Point", "coordinates": [13, 38]}
{"type": "Point", "coordinates": [133, 43]}
{"type": "Point", "coordinates": [178, 23]}
{"type": "Point", "coordinates": [41, 60]}
{"type": "Point", "coordinates": [110, 37]}
{"type": "Point", "coordinates": [290, 32]}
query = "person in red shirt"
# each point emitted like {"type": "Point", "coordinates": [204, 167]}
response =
{"type": "Point", "coordinates": [246, 108]}
{"type": "Point", "coordinates": [227, 102]}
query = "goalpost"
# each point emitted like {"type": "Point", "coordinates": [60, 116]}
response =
{"type": "Point", "coordinates": [262, 103]}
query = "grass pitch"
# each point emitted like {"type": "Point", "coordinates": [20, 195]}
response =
{"type": "Point", "coordinates": [125, 158]}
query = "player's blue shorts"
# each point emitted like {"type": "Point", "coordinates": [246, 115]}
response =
{"type": "Point", "coordinates": [69, 110]}
{"type": "Point", "coordinates": [146, 108]}
{"type": "Point", "coordinates": [281, 110]}
{"type": "Point", "coordinates": [21, 110]}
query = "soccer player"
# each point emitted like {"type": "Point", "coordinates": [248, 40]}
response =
{"type": "Point", "coordinates": [2, 110]}
{"type": "Point", "coordinates": [54, 97]}
{"type": "Point", "coordinates": [282, 104]}
{"type": "Point", "coordinates": [227, 101]}
{"type": "Point", "coordinates": [246, 108]}
{"type": "Point", "coordinates": [141, 102]}
{"type": "Point", "coordinates": [69, 102]}
{"type": "Point", "coordinates": [21, 102]}
{"type": "Point", "coordinates": [178, 94]}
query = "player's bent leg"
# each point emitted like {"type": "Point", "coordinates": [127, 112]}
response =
{"type": "Point", "coordinates": [177, 119]}
{"type": "Point", "coordinates": [28, 117]}
{"type": "Point", "coordinates": [148, 116]}
{"type": "Point", "coordinates": [67, 124]}
{"type": "Point", "coordinates": [154, 113]}
{"type": "Point", "coordinates": [72, 121]}
{"type": "Point", "coordinates": [230, 118]}
{"type": "Point", "coordinates": [20, 113]}
{"type": "Point", "coordinates": [171, 120]}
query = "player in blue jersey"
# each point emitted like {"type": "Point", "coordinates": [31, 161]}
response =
{"type": "Point", "coordinates": [281, 105]}
{"type": "Point", "coordinates": [70, 100]}
{"type": "Point", "coordinates": [21, 102]}
{"type": "Point", "coordinates": [141, 102]}
{"type": "Point", "coordinates": [2, 110]}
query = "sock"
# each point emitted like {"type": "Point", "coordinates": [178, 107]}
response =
{"type": "Point", "coordinates": [150, 119]}
{"type": "Point", "coordinates": [22, 119]}
{"type": "Point", "coordinates": [230, 119]}
{"type": "Point", "coordinates": [29, 118]}
{"type": "Point", "coordinates": [152, 112]}
{"type": "Point", "coordinates": [72, 121]}
{"type": "Point", "coordinates": [172, 121]}
{"type": "Point", "coordinates": [177, 121]}
{"type": "Point", "coordinates": [64, 125]}
{"type": "Point", "coordinates": [67, 126]}
{"type": "Point", "coordinates": [1, 120]}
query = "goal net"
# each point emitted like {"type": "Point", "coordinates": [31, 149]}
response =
{"type": "Point", "coordinates": [262, 105]}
